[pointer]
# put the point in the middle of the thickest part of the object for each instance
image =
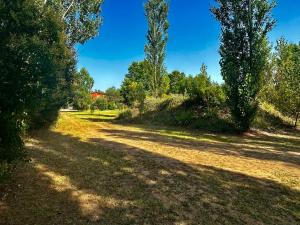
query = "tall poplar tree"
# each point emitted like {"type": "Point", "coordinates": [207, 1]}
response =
{"type": "Point", "coordinates": [157, 37]}
{"type": "Point", "coordinates": [244, 50]}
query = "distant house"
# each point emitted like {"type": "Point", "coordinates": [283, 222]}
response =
{"type": "Point", "coordinates": [97, 94]}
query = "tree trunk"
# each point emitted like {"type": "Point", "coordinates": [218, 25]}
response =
{"type": "Point", "coordinates": [296, 121]}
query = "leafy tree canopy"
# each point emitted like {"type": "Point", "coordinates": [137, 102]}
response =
{"type": "Point", "coordinates": [82, 88]}
{"type": "Point", "coordinates": [157, 37]}
{"type": "Point", "coordinates": [82, 18]}
{"type": "Point", "coordinates": [114, 95]}
{"type": "Point", "coordinates": [283, 87]}
{"type": "Point", "coordinates": [36, 67]}
{"type": "Point", "coordinates": [244, 52]}
{"type": "Point", "coordinates": [176, 82]}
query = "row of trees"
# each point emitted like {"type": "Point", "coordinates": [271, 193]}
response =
{"type": "Point", "coordinates": [200, 88]}
{"type": "Point", "coordinates": [150, 76]}
{"type": "Point", "coordinates": [38, 63]}
{"type": "Point", "coordinates": [247, 65]}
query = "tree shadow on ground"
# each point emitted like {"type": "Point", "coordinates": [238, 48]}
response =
{"type": "Point", "coordinates": [97, 120]}
{"type": "Point", "coordinates": [259, 147]}
{"type": "Point", "coordinates": [71, 181]}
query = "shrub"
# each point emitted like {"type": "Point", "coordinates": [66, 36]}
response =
{"type": "Point", "coordinates": [168, 102]}
{"type": "Point", "coordinates": [111, 105]}
{"type": "Point", "coordinates": [36, 68]}
{"type": "Point", "coordinates": [100, 104]}
{"type": "Point", "coordinates": [203, 92]}
{"type": "Point", "coordinates": [11, 144]}
{"type": "Point", "coordinates": [183, 118]}
{"type": "Point", "coordinates": [126, 115]}
{"type": "Point", "coordinates": [178, 110]}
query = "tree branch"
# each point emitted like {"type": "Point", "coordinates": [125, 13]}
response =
{"type": "Point", "coordinates": [68, 9]}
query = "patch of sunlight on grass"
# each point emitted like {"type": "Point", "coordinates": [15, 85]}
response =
{"type": "Point", "coordinates": [33, 143]}
{"type": "Point", "coordinates": [188, 135]}
{"type": "Point", "coordinates": [288, 140]}
{"type": "Point", "coordinates": [97, 114]}
{"type": "Point", "coordinates": [90, 204]}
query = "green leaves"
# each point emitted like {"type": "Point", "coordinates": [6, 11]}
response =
{"type": "Point", "coordinates": [81, 89]}
{"type": "Point", "coordinates": [177, 82]}
{"type": "Point", "coordinates": [244, 52]}
{"type": "Point", "coordinates": [203, 90]}
{"type": "Point", "coordinates": [138, 76]}
{"type": "Point", "coordinates": [82, 18]}
{"type": "Point", "coordinates": [36, 66]}
{"type": "Point", "coordinates": [156, 12]}
{"type": "Point", "coordinates": [286, 78]}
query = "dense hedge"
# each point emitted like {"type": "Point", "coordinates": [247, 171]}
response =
{"type": "Point", "coordinates": [36, 67]}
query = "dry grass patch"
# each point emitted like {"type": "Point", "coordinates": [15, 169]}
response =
{"type": "Point", "coordinates": [88, 170]}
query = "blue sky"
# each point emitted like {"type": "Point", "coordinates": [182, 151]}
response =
{"type": "Point", "coordinates": [193, 38]}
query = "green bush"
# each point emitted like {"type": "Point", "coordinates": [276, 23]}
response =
{"type": "Point", "coordinates": [100, 104]}
{"type": "Point", "coordinates": [178, 110]}
{"type": "Point", "coordinates": [168, 102]}
{"type": "Point", "coordinates": [36, 66]}
{"type": "Point", "coordinates": [112, 106]}
{"type": "Point", "coordinates": [126, 115]}
{"type": "Point", "coordinates": [215, 123]}
{"type": "Point", "coordinates": [103, 103]}
{"type": "Point", "coordinates": [183, 118]}
{"type": "Point", "coordinates": [11, 144]}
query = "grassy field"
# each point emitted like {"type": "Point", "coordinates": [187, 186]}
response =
{"type": "Point", "coordinates": [89, 169]}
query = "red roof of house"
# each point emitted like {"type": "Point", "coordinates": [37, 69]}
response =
{"type": "Point", "coordinates": [97, 94]}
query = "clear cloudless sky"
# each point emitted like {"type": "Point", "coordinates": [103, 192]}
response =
{"type": "Point", "coordinates": [193, 38]}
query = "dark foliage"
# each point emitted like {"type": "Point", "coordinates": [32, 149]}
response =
{"type": "Point", "coordinates": [36, 67]}
{"type": "Point", "coordinates": [244, 51]}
